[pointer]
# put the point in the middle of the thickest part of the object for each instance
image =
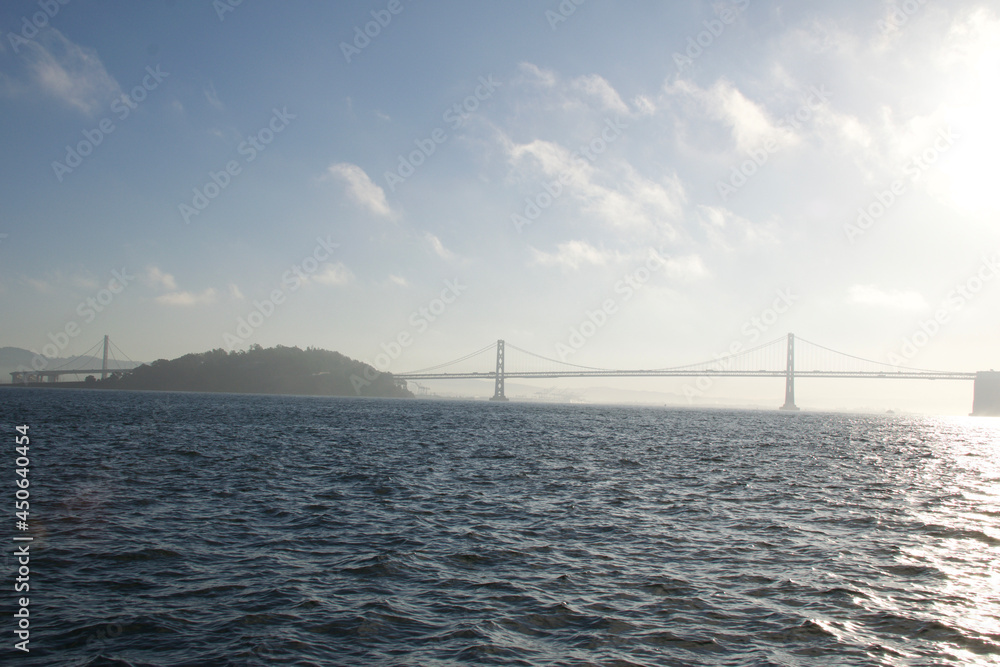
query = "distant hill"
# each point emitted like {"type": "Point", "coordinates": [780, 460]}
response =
{"type": "Point", "coordinates": [276, 370]}
{"type": "Point", "coordinates": [14, 358]}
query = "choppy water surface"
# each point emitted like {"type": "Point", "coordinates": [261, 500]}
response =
{"type": "Point", "coordinates": [177, 529]}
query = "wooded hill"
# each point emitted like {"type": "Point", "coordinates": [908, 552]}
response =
{"type": "Point", "coordinates": [275, 370]}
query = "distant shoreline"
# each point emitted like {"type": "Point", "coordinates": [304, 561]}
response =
{"type": "Point", "coordinates": [279, 371]}
{"type": "Point", "coordinates": [92, 387]}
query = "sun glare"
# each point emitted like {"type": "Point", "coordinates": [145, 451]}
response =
{"type": "Point", "coordinates": [971, 167]}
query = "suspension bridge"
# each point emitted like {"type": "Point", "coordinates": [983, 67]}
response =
{"type": "Point", "coordinates": [110, 364]}
{"type": "Point", "coordinates": [786, 357]}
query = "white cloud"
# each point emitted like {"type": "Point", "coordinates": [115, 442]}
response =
{"type": "Point", "coordinates": [616, 193]}
{"type": "Point", "coordinates": [438, 247]}
{"type": "Point", "coordinates": [86, 282]}
{"type": "Point", "coordinates": [686, 269]}
{"type": "Point", "coordinates": [870, 295]}
{"type": "Point", "coordinates": [235, 293]}
{"type": "Point", "coordinates": [726, 230]}
{"type": "Point", "coordinates": [398, 281]}
{"type": "Point", "coordinates": [43, 286]}
{"type": "Point", "coordinates": [552, 159]}
{"type": "Point", "coordinates": [644, 106]}
{"type": "Point", "coordinates": [602, 185]}
{"type": "Point", "coordinates": [361, 188]}
{"type": "Point", "coordinates": [69, 72]}
{"type": "Point", "coordinates": [750, 124]}
{"type": "Point", "coordinates": [185, 299]}
{"type": "Point", "coordinates": [639, 201]}
{"type": "Point", "coordinates": [598, 87]}
{"type": "Point", "coordinates": [544, 77]}
{"type": "Point", "coordinates": [213, 97]}
{"type": "Point", "coordinates": [587, 92]}
{"type": "Point", "coordinates": [934, 73]}
{"type": "Point", "coordinates": [57, 281]}
{"type": "Point", "coordinates": [157, 278]}
{"type": "Point", "coordinates": [334, 274]}
{"type": "Point", "coordinates": [573, 255]}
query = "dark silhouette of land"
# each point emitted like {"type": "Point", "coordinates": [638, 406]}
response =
{"type": "Point", "coordinates": [276, 370]}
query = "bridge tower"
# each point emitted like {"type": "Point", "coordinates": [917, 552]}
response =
{"type": "Point", "coordinates": [104, 366]}
{"type": "Point", "coordinates": [498, 394]}
{"type": "Point", "coordinates": [790, 376]}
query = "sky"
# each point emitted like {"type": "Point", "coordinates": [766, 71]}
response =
{"type": "Point", "coordinates": [185, 176]}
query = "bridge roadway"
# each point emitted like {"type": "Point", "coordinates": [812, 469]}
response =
{"type": "Point", "coordinates": [490, 375]}
{"type": "Point", "coordinates": [18, 376]}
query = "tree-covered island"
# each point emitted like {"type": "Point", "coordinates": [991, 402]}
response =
{"type": "Point", "coordinates": [275, 370]}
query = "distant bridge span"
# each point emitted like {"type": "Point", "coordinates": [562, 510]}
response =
{"type": "Point", "coordinates": [901, 375]}
{"type": "Point", "coordinates": [771, 359]}
{"type": "Point", "coordinates": [53, 375]}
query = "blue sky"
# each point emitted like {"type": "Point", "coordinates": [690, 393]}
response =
{"type": "Point", "coordinates": [740, 141]}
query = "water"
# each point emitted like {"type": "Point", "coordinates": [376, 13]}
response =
{"type": "Point", "coordinates": [193, 529]}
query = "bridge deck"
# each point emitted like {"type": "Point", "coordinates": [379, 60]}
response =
{"type": "Point", "coordinates": [489, 375]}
{"type": "Point", "coordinates": [18, 376]}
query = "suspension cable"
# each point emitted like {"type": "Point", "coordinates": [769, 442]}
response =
{"type": "Point", "coordinates": [78, 357]}
{"type": "Point", "coordinates": [451, 363]}
{"type": "Point", "coordinates": [134, 364]}
{"type": "Point", "coordinates": [564, 363]}
{"type": "Point", "coordinates": [870, 361]}
{"type": "Point", "coordinates": [729, 356]}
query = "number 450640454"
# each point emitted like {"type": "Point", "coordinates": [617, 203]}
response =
{"type": "Point", "coordinates": [22, 462]}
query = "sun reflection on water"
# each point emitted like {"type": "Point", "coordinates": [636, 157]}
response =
{"type": "Point", "coordinates": [955, 500]}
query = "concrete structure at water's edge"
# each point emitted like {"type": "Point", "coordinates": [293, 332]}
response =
{"type": "Point", "coordinates": [986, 401]}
